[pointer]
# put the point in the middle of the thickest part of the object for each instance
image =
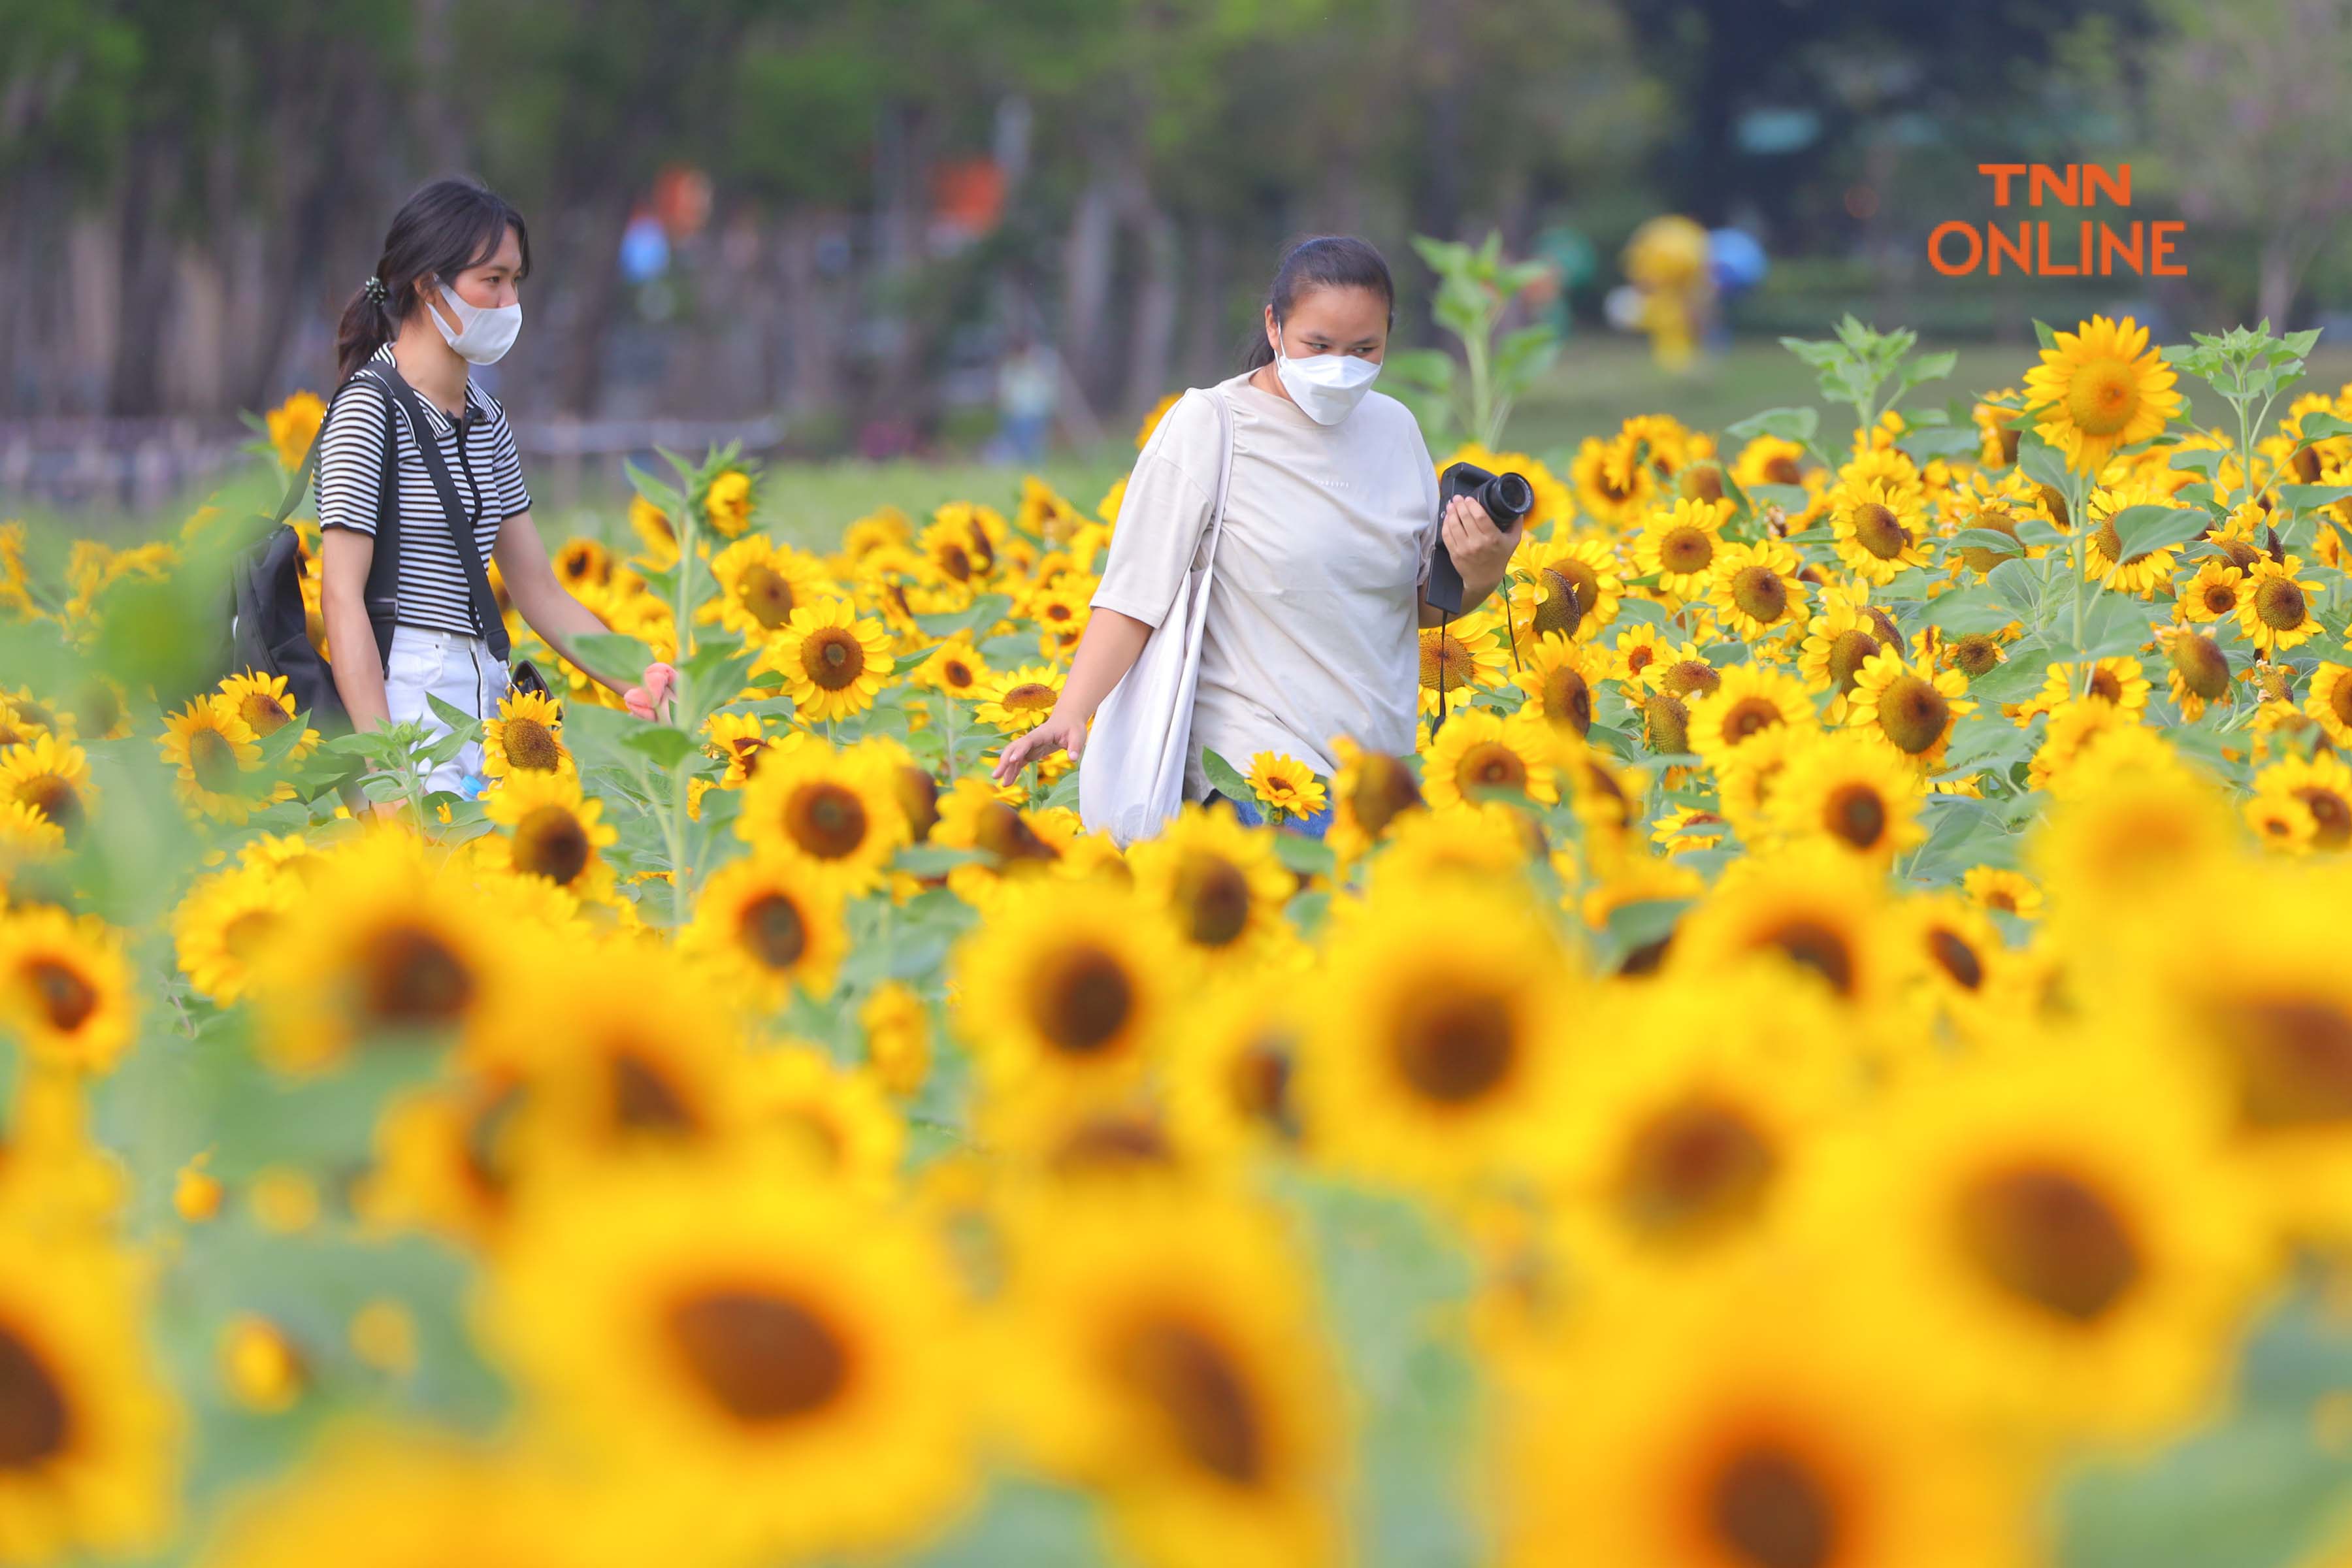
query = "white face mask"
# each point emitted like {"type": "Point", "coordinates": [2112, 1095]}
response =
{"type": "Point", "coordinates": [484, 332]}
{"type": "Point", "coordinates": [1328, 386]}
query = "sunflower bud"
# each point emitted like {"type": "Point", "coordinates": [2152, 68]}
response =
{"type": "Point", "coordinates": [1701, 480]}
{"type": "Point", "coordinates": [1667, 723]}
{"type": "Point", "coordinates": [2204, 670]}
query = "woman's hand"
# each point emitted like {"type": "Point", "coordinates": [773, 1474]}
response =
{"type": "Point", "coordinates": [653, 696]}
{"type": "Point", "coordinates": [1058, 733]}
{"type": "Point", "coordinates": [1481, 551]}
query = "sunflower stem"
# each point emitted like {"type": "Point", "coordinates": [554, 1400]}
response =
{"type": "Point", "coordinates": [2079, 555]}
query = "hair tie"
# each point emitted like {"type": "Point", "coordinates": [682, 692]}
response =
{"type": "Point", "coordinates": [375, 290]}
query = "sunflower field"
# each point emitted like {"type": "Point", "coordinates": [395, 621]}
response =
{"type": "Point", "coordinates": [1834, 1053]}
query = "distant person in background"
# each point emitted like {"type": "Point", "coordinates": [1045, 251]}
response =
{"type": "Point", "coordinates": [1028, 391]}
{"type": "Point", "coordinates": [444, 298]}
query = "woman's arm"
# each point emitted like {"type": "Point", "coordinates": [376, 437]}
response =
{"type": "Point", "coordinates": [1481, 554]}
{"type": "Point", "coordinates": [344, 557]}
{"type": "Point", "coordinates": [1107, 649]}
{"type": "Point", "coordinates": [545, 604]}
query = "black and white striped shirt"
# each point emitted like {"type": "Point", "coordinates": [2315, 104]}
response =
{"type": "Point", "coordinates": [432, 590]}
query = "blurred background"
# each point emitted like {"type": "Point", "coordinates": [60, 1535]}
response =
{"type": "Point", "coordinates": [989, 232]}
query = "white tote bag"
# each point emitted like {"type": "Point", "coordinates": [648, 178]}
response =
{"type": "Point", "coordinates": [1131, 775]}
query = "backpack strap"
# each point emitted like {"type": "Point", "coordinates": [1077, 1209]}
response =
{"type": "Point", "coordinates": [488, 623]}
{"type": "Point", "coordinates": [380, 595]}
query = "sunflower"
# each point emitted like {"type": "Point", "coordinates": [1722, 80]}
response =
{"type": "Point", "coordinates": [771, 924]}
{"type": "Point", "coordinates": [959, 545]}
{"type": "Point", "coordinates": [1748, 699]}
{"type": "Point", "coordinates": [833, 663]}
{"type": "Point", "coordinates": [1220, 884]}
{"type": "Point", "coordinates": [267, 706]}
{"type": "Point", "coordinates": [2098, 388]}
{"type": "Point", "coordinates": [955, 669]}
{"type": "Point", "coordinates": [741, 740]}
{"type": "Point", "coordinates": [527, 737]}
{"type": "Point", "coordinates": [1230, 1071]}
{"type": "Point", "coordinates": [65, 986]}
{"type": "Point", "coordinates": [1756, 592]}
{"type": "Point", "coordinates": [89, 1428]}
{"type": "Point", "coordinates": [1565, 588]}
{"type": "Point", "coordinates": [1837, 642]}
{"type": "Point", "coordinates": [2116, 681]}
{"type": "Point", "coordinates": [582, 561]}
{"type": "Point", "coordinates": [2275, 610]}
{"type": "Point", "coordinates": [1879, 530]}
{"type": "Point", "coordinates": [1433, 1059]}
{"type": "Point", "coordinates": [395, 947]}
{"type": "Point", "coordinates": [756, 1352]}
{"type": "Point", "coordinates": [1369, 791]}
{"type": "Point", "coordinates": [25, 836]}
{"type": "Point", "coordinates": [2323, 785]}
{"type": "Point", "coordinates": [1610, 486]}
{"type": "Point", "coordinates": [1997, 888]}
{"type": "Point", "coordinates": [52, 776]}
{"type": "Point", "coordinates": [1911, 710]}
{"type": "Point", "coordinates": [553, 832]}
{"type": "Point", "coordinates": [214, 750]}
{"type": "Point", "coordinates": [1852, 792]}
{"type": "Point", "coordinates": [836, 811]}
{"type": "Point", "coordinates": [837, 1122]}
{"type": "Point", "coordinates": [896, 1027]}
{"type": "Point", "coordinates": [761, 585]}
{"type": "Point", "coordinates": [1805, 907]}
{"type": "Point", "coordinates": [223, 924]}
{"type": "Point", "coordinates": [655, 532]}
{"type": "Point", "coordinates": [1020, 699]}
{"type": "Point", "coordinates": [1969, 971]}
{"type": "Point", "coordinates": [2082, 1275]}
{"type": "Point", "coordinates": [1759, 1421]}
{"type": "Point", "coordinates": [1560, 677]}
{"type": "Point", "coordinates": [2330, 701]}
{"type": "Point", "coordinates": [728, 501]}
{"type": "Point", "coordinates": [1167, 1351]}
{"type": "Point", "coordinates": [1480, 752]}
{"type": "Point", "coordinates": [2115, 851]}
{"type": "Point", "coordinates": [1284, 787]}
{"type": "Point", "coordinates": [1678, 546]}
{"type": "Point", "coordinates": [1061, 611]}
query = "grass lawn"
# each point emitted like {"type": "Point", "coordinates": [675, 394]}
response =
{"type": "Point", "coordinates": [1597, 384]}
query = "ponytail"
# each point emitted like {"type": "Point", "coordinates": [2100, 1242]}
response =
{"type": "Point", "coordinates": [1323, 261]}
{"type": "Point", "coordinates": [442, 230]}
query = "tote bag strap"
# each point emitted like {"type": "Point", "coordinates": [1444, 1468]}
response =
{"type": "Point", "coordinates": [1224, 477]}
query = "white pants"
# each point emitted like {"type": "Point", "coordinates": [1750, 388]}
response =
{"type": "Point", "coordinates": [460, 671]}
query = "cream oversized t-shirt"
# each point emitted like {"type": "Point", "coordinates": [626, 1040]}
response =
{"type": "Point", "coordinates": [1313, 609]}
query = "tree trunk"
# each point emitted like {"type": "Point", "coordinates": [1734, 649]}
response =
{"type": "Point", "coordinates": [1148, 364]}
{"type": "Point", "coordinates": [580, 383]}
{"type": "Point", "coordinates": [135, 387]}
{"type": "Point", "coordinates": [1087, 255]}
{"type": "Point", "coordinates": [2277, 273]}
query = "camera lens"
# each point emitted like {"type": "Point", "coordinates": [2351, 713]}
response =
{"type": "Point", "coordinates": [1509, 498]}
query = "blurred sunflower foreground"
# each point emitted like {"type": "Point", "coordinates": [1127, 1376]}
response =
{"type": "Point", "coordinates": [1838, 1054]}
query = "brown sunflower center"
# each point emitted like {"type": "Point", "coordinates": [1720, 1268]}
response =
{"type": "Point", "coordinates": [1957, 957]}
{"type": "Point", "coordinates": [1454, 1047]}
{"type": "Point", "coordinates": [1749, 716]}
{"type": "Point", "coordinates": [1030, 697]}
{"type": "Point", "coordinates": [1383, 788]}
{"type": "Point", "coordinates": [2102, 396]}
{"type": "Point", "coordinates": [1083, 1001]}
{"type": "Point", "coordinates": [243, 937]}
{"type": "Point", "coordinates": [1490, 764]}
{"type": "Point", "coordinates": [2220, 598]}
{"type": "Point", "coordinates": [761, 1357]}
{"type": "Point", "coordinates": [65, 996]}
{"type": "Point", "coordinates": [2292, 1056]}
{"type": "Point", "coordinates": [643, 1098]}
{"type": "Point", "coordinates": [918, 796]}
{"type": "Point", "coordinates": [1848, 650]}
{"type": "Point", "coordinates": [1782, 469]}
{"type": "Point", "coordinates": [2279, 604]}
{"type": "Point", "coordinates": [826, 820]}
{"type": "Point", "coordinates": [2331, 811]}
{"type": "Point", "coordinates": [1760, 594]}
{"type": "Point", "coordinates": [772, 932]}
{"type": "Point", "coordinates": [1913, 714]}
{"type": "Point", "coordinates": [1686, 549]}
{"type": "Point", "coordinates": [957, 675]}
{"type": "Point", "coordinates": [1446, 663]}
{"type": "Point", "coordinates": [531, 746]}
{"type": "Point", "coordinates": [1258, 1079]}
{"type": "Point", "coordinates": [1667, 722]}
{"type": "Point", "coordinates": [955, 562]}
{"type": "Point", "coordinates": [766, 594]}
{"type": "Point", "coordinates": [1815, 945]}
{"type": "Point", "coordinates": [1111, 1142]}
{"type": "Point", "coordinates": [2204, 671]}
{"type": "Point", "coordinates": [1006, 834]}
{"type": "Point", "coordinates": [833, 658]}
{"type": "Point", "coordinates": [212, 761]}
{"type": "Point", "coordinates": [34, 1419]}
{"type": "Point", "coordinates": [1857, 814]}
{"type": "Point", "coordinates": [1199, 1394]}
{"type": "Point", "coordinates": [1212, 899]}
{"type": "Point", "coordinates": [2048, 1237]}
{"type": "Point", "coordinates": [1694, 1167]}
{"type": "Point", "coordinates": [551, 842]}
{"type": "Point", "coordinates": [1976, 653]}
{"type": "Point", "coordinates": [1568, 698]}
{"type": "Point", "coordinates": [1877, 530]}
{"type": "Point", "coordinates": [1570, 589]}
{"type": "Point", "coordinates": [416, 980]}
{"type": "Point", "coordinates": [1688, 677]}
{"type": "Point", "coordinates": [2106, 683]}
{"type": "Point", "coordinates": [260, 711]}
{"type": "Point", "coordinates": [1773, 1511]}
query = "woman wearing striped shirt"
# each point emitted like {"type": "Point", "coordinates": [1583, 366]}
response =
{"type": "Point", "coordinates": [442, 298]}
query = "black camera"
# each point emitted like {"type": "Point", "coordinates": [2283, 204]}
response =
{"type": "Point", "coordinates": [1508, 497]}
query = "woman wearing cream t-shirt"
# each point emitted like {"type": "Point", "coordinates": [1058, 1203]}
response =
{"type": "Point", "coordinates": [1315, 607]}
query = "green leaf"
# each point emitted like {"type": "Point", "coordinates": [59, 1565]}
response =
{"type": "Point", "coordinates": [2048, 339]}
{"type": "Point", "coordinates": [1990, 539]}
{"type": "Point", "coordinates": [1788, 424]}
{"type": "Point", "coordinates": [2019, 584]}
{"type": "Point", "coordinates": [2203, 459]}
{"type": "Point", "coordinates": [2320, 426]}
{"type": "Point", "coordinates": [933, 860]}
{"type": "Point", "coordinates": [986, 610]}
{"type": "Point", "coordinates": [1307, 856]}
{"type": "Point", "coordinates": [2042, 461]}
{"type": "Point", "coordinates": [1939, 441]}
{"type": "Point", "coordinates": [1224, 779]}
{"type": "Point", "coordinates": [1791, 499]}
{"type": "Point", "coordinates": [457, 718]}
{"type": "Point", "coordinates": [610, 654]}
{"type": "Point", "coordinates": [1970, 610]}
{"type": "Point", "coordinates": [668, 746]}
{"type": "Point", "coordinates": [2308, 498]}
{"type": "Point", "coordinates": [2144, 529]}
{"type": "Point", "coordinates": [2018, 676]}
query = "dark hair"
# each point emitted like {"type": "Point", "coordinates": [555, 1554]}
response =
{"type": "Point", "coordinates": [442, 230]}
{"type": "Point", "coordinates": [1323, 261]}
